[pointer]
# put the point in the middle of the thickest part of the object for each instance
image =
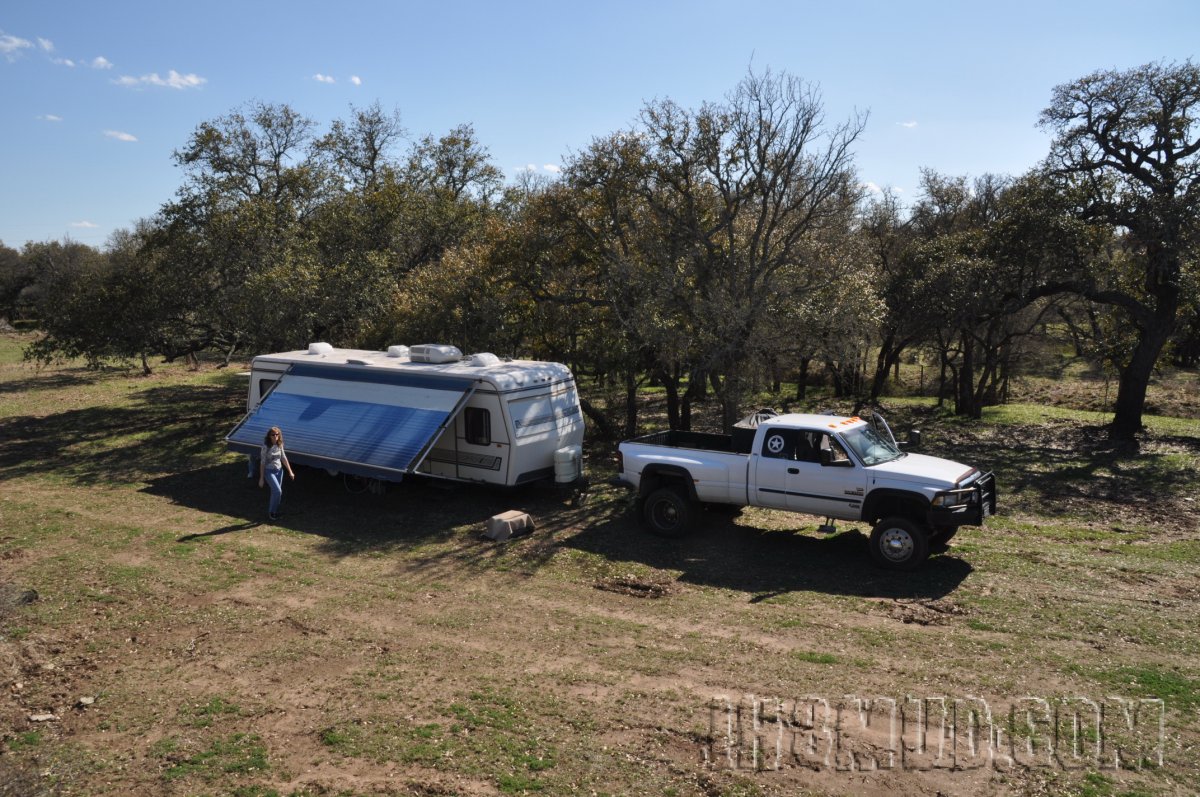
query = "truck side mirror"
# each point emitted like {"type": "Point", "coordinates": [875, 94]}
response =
{"type": "Point", "coordinates": [913, 441]}
{"type": "Point", "coordinates": [827, 460]}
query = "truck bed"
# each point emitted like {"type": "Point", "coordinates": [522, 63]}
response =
{"type": "Point", "coordinates": [698, 441]}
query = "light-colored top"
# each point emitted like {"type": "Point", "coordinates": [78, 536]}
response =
{"type": "Point", "coordinates": [272, 457]}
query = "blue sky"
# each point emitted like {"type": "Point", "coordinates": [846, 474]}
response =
{"type": "Point", "coordinates": [96, 95]}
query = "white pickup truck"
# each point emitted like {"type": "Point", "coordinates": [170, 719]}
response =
{"type": "Point", "coordinates": [824, 465]}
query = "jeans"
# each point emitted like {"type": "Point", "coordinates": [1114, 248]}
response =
{"type": "Point", "coordinates": [275, 483]}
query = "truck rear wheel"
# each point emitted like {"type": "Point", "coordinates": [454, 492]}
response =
{"type": "Point", "coordinates": [667, 512]}
{"type": "Point", "coordinates": [899, 544]}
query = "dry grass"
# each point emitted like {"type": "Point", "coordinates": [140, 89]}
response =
{"type": "Point", "coordinates": [375, 645]}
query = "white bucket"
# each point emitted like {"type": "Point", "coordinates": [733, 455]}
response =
{"type": "Point", "coordinates": [567, 462]}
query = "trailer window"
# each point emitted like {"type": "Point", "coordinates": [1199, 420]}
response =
{"type": "Point", "coordinates": [478, 423]}
{"type": "Point", "coordinates": [264, 385]}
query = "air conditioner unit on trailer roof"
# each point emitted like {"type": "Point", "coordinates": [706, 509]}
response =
{"type": "Point", "coordinates": [434, 353]}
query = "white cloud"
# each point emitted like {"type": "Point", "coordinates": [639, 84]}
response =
{"type": "Point", "coordinates": [529, 167]}
{"type": "Point", "coordinates": [173, 80]}
{"type": "Point", "coordinates": [49, 117]}
{"type": "Point", "coordinates": [63, 61]}
{"type": "Point", "coordinates": [100, 62]}
{"type": "Point", "coordinates": [46, 45]}
{"type": "Point", "coordinates": [909, 125]}
{"type": "Point", "coordinates": [11, 46]}
{"type": "Point", "coordinates": [872, 188]}
{"type": "Point", "coordinates": [120, 136]}
{"type": "Point", "coordinates": [551, 167]}
{"type": "Point", "coordinates": [323, 78]}
{"type": "Point", "coordinates": [86, 225]}
{"type": "Point", "coordinates": [356, 80]}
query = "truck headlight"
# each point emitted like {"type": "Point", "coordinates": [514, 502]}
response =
{"type": "Point", "coordinates": [946, 500]}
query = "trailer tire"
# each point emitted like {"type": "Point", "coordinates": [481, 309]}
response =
{"type": "Point", "coordinates": [668, 512]}
{"type": "Point", "coordinates": [898, 543]}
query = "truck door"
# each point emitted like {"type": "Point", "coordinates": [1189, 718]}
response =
{"type": "Point", "coordinates": [776, 456]}
{"type": "Point", "coordinates": [823, 479]}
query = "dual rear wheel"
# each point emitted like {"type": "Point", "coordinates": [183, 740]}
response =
{"type": "Point", "coordinates": [668, 512]}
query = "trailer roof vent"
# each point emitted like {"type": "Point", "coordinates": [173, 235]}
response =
{"type": "Point", "coordinates": [482, 359]}
{"type": "Point", "coordinates": [319, 348]}
{"type": "Point", "coordinates": [397, 351]}
{"type": "Point", "coordinates": [434, 353]}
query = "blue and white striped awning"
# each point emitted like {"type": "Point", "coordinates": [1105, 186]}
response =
{"type": "Point", "coordinates": [378, 423]}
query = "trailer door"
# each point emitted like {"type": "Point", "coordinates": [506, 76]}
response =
{"type": "Point", "coordinates": [372, 422]}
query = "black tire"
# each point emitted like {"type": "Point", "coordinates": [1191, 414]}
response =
{"type": "Point", "coordinates": [940, 538]}
{"type": "Point", "coordinates": [668, 512]}
{"type": "Point", "coordinates": [355, 484]}
{"type": "Point", "coordinates": [899, 544]}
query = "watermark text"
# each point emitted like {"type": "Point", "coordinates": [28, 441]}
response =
{"type": "Point", "coordinates": [854, 733]}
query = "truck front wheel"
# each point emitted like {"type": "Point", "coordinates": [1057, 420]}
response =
{"type": "Point", "coordinates": [667, 512]}
{"type": "Point", "coordinates": [899, 544]}
{"type": "Point", "coordinates": [940, 537]}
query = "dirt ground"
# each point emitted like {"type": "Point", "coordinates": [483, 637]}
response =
{"type": "Point", "coordinates": [159, 636]}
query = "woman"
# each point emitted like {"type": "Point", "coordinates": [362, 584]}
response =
{"type": "Point", "coordinates": [271, 463]}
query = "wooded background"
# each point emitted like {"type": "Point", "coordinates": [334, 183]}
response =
{"type": "Point", "coordinates": [712, 250]}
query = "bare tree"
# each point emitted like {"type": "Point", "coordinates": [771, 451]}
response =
{"type": "Point", "coordinates": [730, 195]}
{"type": "Point", "coordinates": [358, 150]}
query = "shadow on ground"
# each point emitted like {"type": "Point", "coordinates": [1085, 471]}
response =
{"type": "Point", "coordinates": [47, 382]}
{"type": "Point", "coordinates": [727, 554]}
{"type": "Point", "coordinates": [435, 531]}
{"type": "Point", "coordinates": [434, 528]}
{"type": "Point", "coordinates": [162, 429]}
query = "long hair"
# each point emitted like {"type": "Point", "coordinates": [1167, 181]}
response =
{"type": "Point", "coordinates": [271, 431]}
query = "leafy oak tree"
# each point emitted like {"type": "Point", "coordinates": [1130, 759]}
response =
{"type": "Point", "coordinates": [1128, 143]}
{"type": "Point", "coordinates": [713, 211]}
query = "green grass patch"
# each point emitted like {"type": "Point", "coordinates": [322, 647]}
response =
{"type": "Point", "coordinates": [815, 658]}
{"type": "Point", "coordinates": [25, 741]}
{"type": "Point", "coordinates": [237, 754]}
{"type": "Point", "coordinates": [1182, 551]}
{"type": "Point", "coordinates": [487, 732]}
{"type": "Point", "coordinates": [1180, 692]}
{"type": "Point", "coordinates": [203, 715]}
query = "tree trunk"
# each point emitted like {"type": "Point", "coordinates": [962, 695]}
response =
{"type": "Point", "coordinates": [889, 357]}
{"type": "Point", "coordinates": [670, 382]}
{"type": "Point", "coordinates": [1156, 327]}
{"type": "Point", "coordinates": [607, 430]}
{"type": "Point", "coordinates": [1135, 379]}
{"type": "Point", "coordinates": [729, 393]}
{"type": "Point", "coordinates": [631, 409]}
{"type": "Point", "coordinates": [836, 377]}
{"type": "Point", "coordinates": [964, 383]}
{"type": "Point", "coordinates": [802, 379]}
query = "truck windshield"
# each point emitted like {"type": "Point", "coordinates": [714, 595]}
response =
{"type": "Point", "coordinates": [872, 448]}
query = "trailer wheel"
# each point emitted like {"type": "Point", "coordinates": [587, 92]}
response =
{"type": "Point", "coordinates": [355, 484]}
{"type": "Point", "coordinates": [899, 544]}
{"type": "Point", "coordinates": [667, 512]}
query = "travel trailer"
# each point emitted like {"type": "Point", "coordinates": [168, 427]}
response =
{"type": "Point", "coordinates": [424, 410]}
